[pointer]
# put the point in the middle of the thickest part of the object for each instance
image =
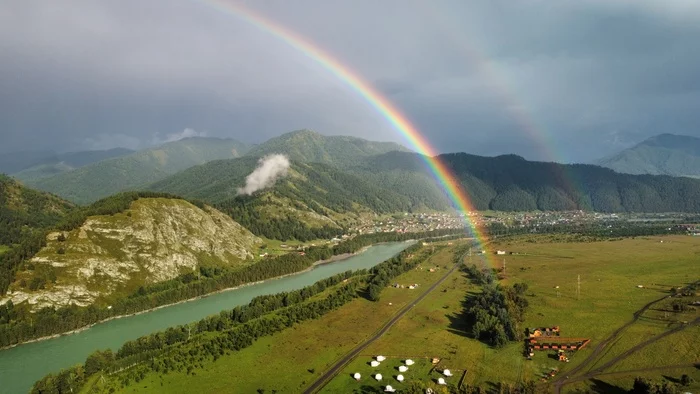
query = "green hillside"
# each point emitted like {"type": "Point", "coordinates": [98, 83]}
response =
{"type": "Point", "coordinates": [25, 214]}
{"type": "Point", "coordinates": [309, 146]}
{"type": "Point", "coordinates": [107, 256]}
{"type": "Point", "coordinates": [101, 179]}
{"type": "Point", "coordinates": [407, 174]}
{"type": "Point", "coordinates": [664, 154]}
{"type": "Point", "coordinates": [23, 209]}
{"type": "Point", "coordinates": [314, 200]}
{"type": "Point", "coordinates": [66, 162]}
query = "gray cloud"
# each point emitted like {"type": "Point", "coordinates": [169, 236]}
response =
{"type": "Point", "coordinates": [550, 80]}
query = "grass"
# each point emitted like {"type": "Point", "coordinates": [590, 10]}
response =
{"type": "Point", "coordinates": [610, 272]}
{"type": "Point", "coordinates": [274, 247]}
{"type": "Point", "coordinates": [290, 360]}
{"type": "Point", "coordinates": [345, 383]}
{"type": "Point", "coordinates": [4, 248]}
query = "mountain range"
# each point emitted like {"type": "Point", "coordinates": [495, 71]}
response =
{"type": "Point", "coordinates": [333, 179]}
{"type": "Point", "coordinates": [664, 154]}
{"type": "Point", "coordinates": [101, 179]}
{"type": "Point", "coordinates": [331, 183]}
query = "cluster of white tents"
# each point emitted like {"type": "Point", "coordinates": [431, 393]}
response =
{"type": "Point", "coordinates": [376, 362]}
{"type": "Point", "coordinates": [400, 378]}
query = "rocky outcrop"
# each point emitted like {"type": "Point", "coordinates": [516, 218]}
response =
{"type": "Point", "coordinates": [155, 240]}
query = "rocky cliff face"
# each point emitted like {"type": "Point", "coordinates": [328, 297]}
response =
{"type": "Point", "coordinates": [155, 240]}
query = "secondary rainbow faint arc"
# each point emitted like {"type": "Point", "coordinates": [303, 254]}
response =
{"type": "Point", "coordinates": [364, 89]}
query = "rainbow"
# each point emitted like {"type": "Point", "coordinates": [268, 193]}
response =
{"type": "Point", "coordinates": [417, 141]}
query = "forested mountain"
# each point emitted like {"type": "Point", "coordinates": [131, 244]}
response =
{"type": "Point", "coordinates": [138, 241]}
{"type": "Point", "coordinates": [309, 146]}
{"type": "Point", "coordinates": [23, 209]}
{"type": "Point", "coordinates": [101, 179]}
{"type": "Point", "coordinates": [407, 174]}
{"type": "Point", "coordinates": [511, 183]}
{"type": "Point", "coordinates": [64, 162]}
{"type": "Point", "coordinates": [665, 154]}
{"type": "Point", "coordinates": [314, 200]}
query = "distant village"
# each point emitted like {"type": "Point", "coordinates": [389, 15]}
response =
{"type": "Point", "coordinates": [419, 222]}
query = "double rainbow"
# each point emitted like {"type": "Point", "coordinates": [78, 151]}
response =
{"type": "Point", "coordinates": [417, 141]}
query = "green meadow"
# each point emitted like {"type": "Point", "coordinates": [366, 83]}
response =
{"type": "Point", "coordinates": [610, 271]}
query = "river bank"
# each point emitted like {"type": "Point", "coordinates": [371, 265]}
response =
{"type": "Point", "coordinates": [333, 259]}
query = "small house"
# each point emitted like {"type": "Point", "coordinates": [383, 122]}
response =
{"type": "Point", "coordinates": [357, 376]}
{"type": "Point", "coordinates": [378, 377]}
{"type": "Point", "coordinates": [399, 378]}
{"type": "Point", "coordinates": [403, 368]}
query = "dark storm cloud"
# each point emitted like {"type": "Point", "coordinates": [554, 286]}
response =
{"type": "Point", "coordinates": [544, 79]}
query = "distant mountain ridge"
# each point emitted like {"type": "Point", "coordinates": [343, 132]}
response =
{"type": "Point", "coordinates": [310, 146]}
{"type": "Point", "coordinates": [65, 162]}
{"type": "Point", "coordinates": [664, 154]}
{"type": "Point", "coordinates": [106, 177]}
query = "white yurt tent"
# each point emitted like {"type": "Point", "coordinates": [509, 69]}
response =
{"type": "Point", "coordinates": [403, 368]}
{"type": "Point", "coordinates": [389, 389]}
{"type": "Point", "coordinates": [441, 381]}
{"type": "Point", "coordinates": [447, 372]}
{"type": "Point", "coordinates": [409, 362]}
{"type": "Point", "coordinates": [378, 376]}
{"type": "Point", "coordinates": [399, 378]}
{"type": "Point", "coordinates": [381, 358]}
{"type": "Point", "coordinates": [357, 376]}
{"type": "Point", "coordinates": [374, 363]}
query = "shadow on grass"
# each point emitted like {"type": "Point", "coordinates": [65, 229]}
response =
{"type": "Point", "coordinates": [672, 379]}
{"type": "Point", "coordinates": [368, 390]}
{"type": "Point", "coordinates": [460, 323]}
{"type": "Point", "coordinates": [364, 293]}
{"type": "Point", "coordinates": [606, 388]}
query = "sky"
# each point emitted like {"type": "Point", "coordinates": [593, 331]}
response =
{"type": "Point", "coordinates": [559, 80]}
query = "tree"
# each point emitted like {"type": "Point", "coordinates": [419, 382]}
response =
{"type": "Point", "coordinates": [642, 386]}
{"type": "Point", "coordinates": [98, 361]}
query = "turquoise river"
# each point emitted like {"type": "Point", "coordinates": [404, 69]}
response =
{"type": "Point", "coordinates": [22, 365]}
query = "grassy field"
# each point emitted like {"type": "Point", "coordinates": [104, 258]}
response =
{"type": "Point", "coordinates": [290, 360]}
{"type": "Point", "coordinates": [274, 247]}
{"type": "Point", "coordinates": [4, 248]}
{"type": "Point", "coordinates": [610, 272]}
